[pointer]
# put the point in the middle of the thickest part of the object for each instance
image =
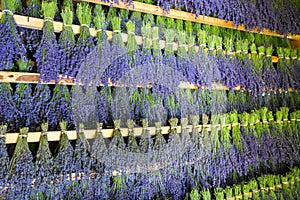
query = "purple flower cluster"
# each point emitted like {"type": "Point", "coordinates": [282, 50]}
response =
{"type": "Point", "coordinates": [271, 14]}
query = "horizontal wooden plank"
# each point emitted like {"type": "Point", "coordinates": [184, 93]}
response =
{"type": "Point", "coordinates": [12, 138]}
{"type": "Point", "coordinates": [36, 23]}
{"type": "Point", "coordinates": [177, 14]}
{"type": "Point", "coordinates": [33, 78]}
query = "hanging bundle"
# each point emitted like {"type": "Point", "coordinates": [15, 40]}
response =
{"type": "Point", "coordinates": [67, 44]}
{"type": "Point", "coordinates": [84, 46]}
{"type": "Point", "coordinates": [146, 143]}
{"type": "Point", "coordinates": [46, 56]}
{"type": "Point", "coordinates": [44, 165]}
{"type": "Point", "coordinates": [12, 47]}
{"type": "Point", "coordinates": [4, 159]}
{"type": "Point", "coordinates": [41, 101]}
{"type": "Point", "coordinates": [64, 153]}
{"type": "Point", "coordinates": [99, 150]}
{"type": "Point", "coordinates": [32, 37]}
{"type": "Point", "coordinates": [21, 167]}
{"type": "Point", "coordinates": [7, 105]}
{"type": "Point", "coordinates": [60, 106]}
{"type": "Point", "coordinates": [23, 113]}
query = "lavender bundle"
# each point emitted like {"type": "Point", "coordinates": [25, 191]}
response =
{"type": "Point", "coordinates": [144, 62]}
{"type": "Point", "coordinates": [44, 165]}
{"type": "Point", "coordinates": [118, 53]}
{"type": "Point", "coordinates": [282, 69]}
{"type": "Point", "coordinates": [136, 18]}
{"type": "Point", "coordinates": [102, 50]}
{"type": "Point", "coordinates": [60, 106]}
{"type": "Point", "coordinates": [4, 159]}
{"type": "Point", "coordinates": [225, 138]}
{"type": "Point", "coordinates": [67, 43]}
{"type": "Point", "coordinates": [215, 140]}
{"type": "Point", "coordinates": [41, 101]}
{"type": "Point", "coordinates": [12, 47]}
{"type": "Point", "coordinates": [32, 37]}
{"type": "Point", "coordinates": [132, 145]}
{"type": "Point", "coordinates": [146, 142]}
{"type": "Point", "coordinates": [21, 168]}
{"type": "Point", "coordinates": [84, 46]}
{"type": "Point", "coordinates": [98, 150]}
{"type": "Point", "coordinates": [235, 129]}
{"type": "Point", "coordinates": [23, 113]}
{"type": "Point", "coordinates": [46, 55]}
{"type": "Point", "coordinates": [7, 104]}
{"type": "Point", "coordinates": [63, 163]}
{"type": "Point", "coordinates": [116, 159]}
{"type": "Point", "coordinates": [103, 99]}
{"type": "Point", "coordinates": [269, 74]}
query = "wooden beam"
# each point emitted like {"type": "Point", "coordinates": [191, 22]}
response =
{"type": "Point", "coordinates": [177, 14]}
{"type": "Point", "coordinates": [38, 24]}
{"type": "Point", "coordinates": [12, 138]}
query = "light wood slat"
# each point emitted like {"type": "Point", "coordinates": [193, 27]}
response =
{"type": "Point", "coordinates": [177, 14]}
{"type": "Point", "coordinates": [25, 77]}
{"type": "Point", "coordinates": [33, 78]}
{"type": "Point", "coordinates": [89, 134]}
{"type": "Point", "coordinates": [12, 138]}
{"type": "Point", "coordinates": [35, 23]}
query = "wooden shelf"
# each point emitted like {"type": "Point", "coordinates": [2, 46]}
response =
{"type": "Point", "coordinates": [38, 24]}
{"type": "Point", "coordinates": [33, 78]}
{"type": "Point", "coordinates": [177, 14]}
{"type": "Point", "coordinates": [12, 138]}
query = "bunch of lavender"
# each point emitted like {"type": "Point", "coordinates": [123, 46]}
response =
{"type": "Point", "coordinates": [269, 74]}
{"type": "Point", "coordinates": [44, 168]}
{"type": "Point", "coordinates": [245, 73]}
{"type": "Point", "coordinates": [283, 69]}
{"type": "Point", "coordinates": [82, 161]}
{"type": "Point", "coordinates": [24, 106]}
{"type": "Point", "coordinates": [116, 158]}
{"type": "Point", "coordinates": [103, 99]}
{"type": "Point", "coordinates": [146, 142]}
{"type": "Point", "coordinates": [102, 61]}
{"type": "Point", "coordinates": [118, 54]}
{"type": "Point", "coordinates": [257, 67]}
{"type": "Point", "coordinates": [41, 101]}
{"type": "Point", "coordinates": [85, 44]}
{"type": "Point", "coordinates": [46, 55]}
{"type": "Point", "coordinates": [99, 150]}
{"type": "Point", "coordinates": [12, 47]}
{"type": "Point", "coordinates": [144, 62]}
{"type": "Point", "coordinates": [132, 145]}
{"type": "Point", "coordinates": [67, 43]}
{"type": "Point", "coordinates": [136, 18]}
{"type": "Point", "coordinates": [21, 168]}
{"type": "Point", "coordinates": [32, 37]}
{"type": "Point", "coordinates": [128, 73]}
{"type": "Point", "coordinates": [63, 163]}
{"type": "Point", "coordinates": [84, 105]}
{"type": "Point", "coordinates": [4, 159]}
{"type": "Point", "coordinates": [7, 104]}
{"type": "Point", "coordinates": [60, 106]}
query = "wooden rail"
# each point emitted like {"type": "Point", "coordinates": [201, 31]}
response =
{"type": "Point", "coordinates": [26, 77]}
{"type": "Point", "coordinates": [38, 24]}
{"type": "Point", "coordinates": [177, 14]}
{"type": "Point", "coordinates": [12, 138]}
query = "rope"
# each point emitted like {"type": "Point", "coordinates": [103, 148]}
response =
{"type": "Point", "coordinates": [23, 136]}
{"type": "Point", "coordinates": [67, 25]}
{"type": "Point", "coordinates": [8, 11]}
{"type": "Point", "coordinates": [48, 19]}
{"type": "Point", "coordinates": [85, 25]}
